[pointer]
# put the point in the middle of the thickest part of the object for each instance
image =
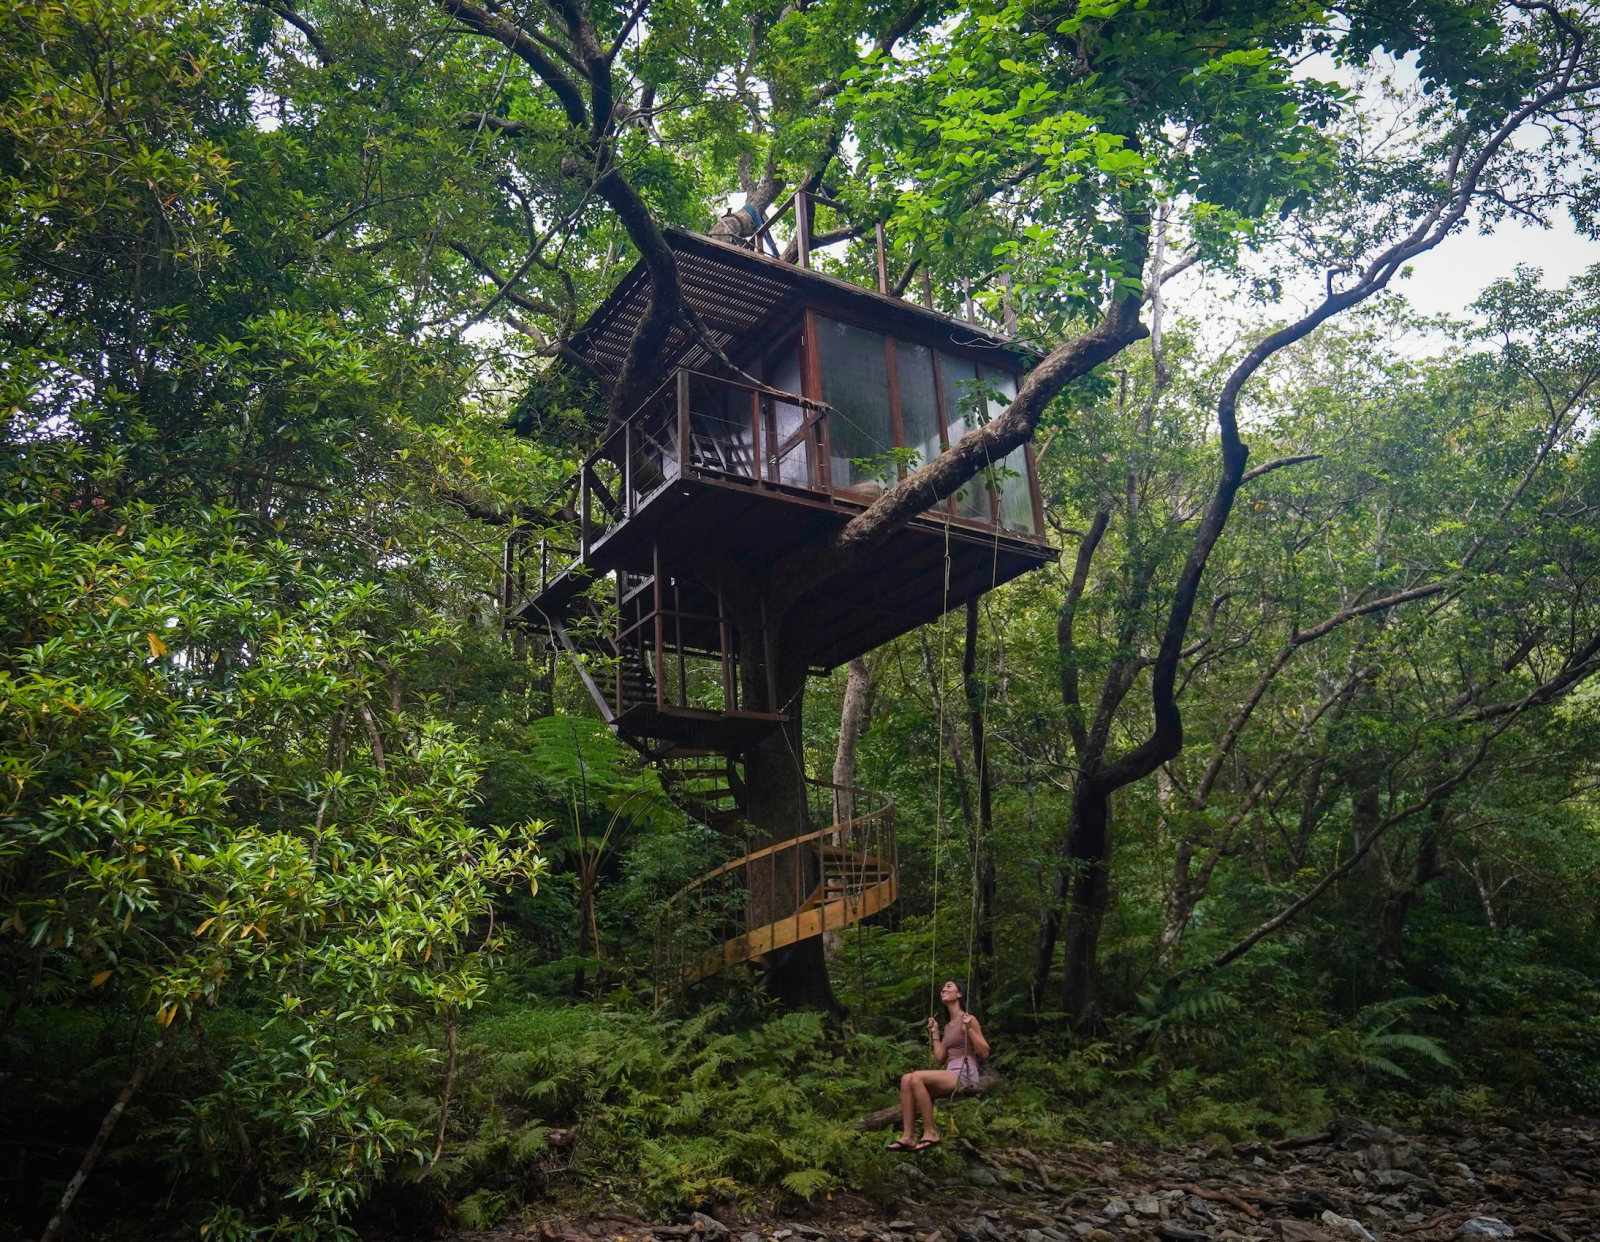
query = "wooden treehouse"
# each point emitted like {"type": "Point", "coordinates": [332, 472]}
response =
{"type": "Point", "coordinates": [854, 389]}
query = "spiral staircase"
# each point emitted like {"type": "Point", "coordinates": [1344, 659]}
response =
{"type": "Point", "coordinates": [823, 880]}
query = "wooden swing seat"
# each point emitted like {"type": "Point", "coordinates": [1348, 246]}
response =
{"type": "Point", "coordinates": [886, 1117]}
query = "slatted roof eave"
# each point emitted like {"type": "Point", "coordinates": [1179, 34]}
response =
{"type": "Point", "coordinates": [739, 294]}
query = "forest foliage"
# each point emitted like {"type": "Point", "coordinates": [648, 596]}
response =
{"type": "Point", "coordinates": [1273, 798]}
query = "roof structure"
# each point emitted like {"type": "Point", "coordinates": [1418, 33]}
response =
{"type": "Point", "coordinates": [742, 295]}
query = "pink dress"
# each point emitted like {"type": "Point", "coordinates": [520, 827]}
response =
{"type": "Point", "coordinates": [958, 1058]}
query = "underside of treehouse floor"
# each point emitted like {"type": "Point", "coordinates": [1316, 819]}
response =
{"type": "Point", "coordinates": [702, 524]}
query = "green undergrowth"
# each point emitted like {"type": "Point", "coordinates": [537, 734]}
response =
{"type": "Point", "coordinates": [671, 1112]}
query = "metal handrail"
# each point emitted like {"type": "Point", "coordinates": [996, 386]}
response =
{"type": "Point", "coordinates": [866, 878]}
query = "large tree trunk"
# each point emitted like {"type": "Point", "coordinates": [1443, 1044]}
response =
{"type": "Point", "coordinates": [776, 807]}
{"type": "Point", "coordinates": [1090, 864]}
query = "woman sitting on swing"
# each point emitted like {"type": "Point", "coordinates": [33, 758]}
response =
{"type": "Point", "coordinates": [961, 1047]}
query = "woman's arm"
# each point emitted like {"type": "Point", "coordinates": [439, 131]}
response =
{"type": "Point", "coordinates": [975, 1039]}
{"type": "Point", "coordinates": [938, 1044]}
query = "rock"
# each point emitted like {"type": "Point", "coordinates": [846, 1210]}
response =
{"type": "Point", "coordinates": [981, 1175]}
{"type": "Point", "coordinates": [1199, 1207]}
{"type": "Point", "coordinates": [1116, 1209]}
{"type": "Point", "coordinates": [750, 1237]}
{"type": "Point", "coordinates": [1547, 1174]}
{"type": "Point", "coordinates": [1147, 1205]}
{"type": "Point", "coordinates": [712, 1227]}
{"type": "Point", "coordinates": [1217, 1146]}
{"type": "Point", "coordinates": [1347, 1224]}
{"type": "Point", "coordinates": [808, 1231]}
{"type": "Point", "coordinates": [1100, 1235]}
{"type": "Point", "coordinates": [1299, 1231]}
{"type": "Point", "coordinates": [1176, 1231]}
{"type": "Point", "coordinates": [1351, 1133]}
{"type": "Point", "coordinates": [1083, 1229]}
{"type": "Point", "coordinates": [1486, 1227]}
{"type": "Point", "coordinates": [1032, 1235]}
{"type": "Point", "coordinates": [896, 1224]}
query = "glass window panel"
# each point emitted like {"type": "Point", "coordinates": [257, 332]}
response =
{"type": "Point", "coordinates": [919, 401]}
{"type": "Point", "coordinates": [719, 428]}
{"type": "Point", "coordinates": [788, 420]}
{"type": "Point", "coordinates": [1011, 476]}
{"type": "Point", "coordinates": [963, 395]}
{"type": "Point", "coordinates": [855, 382]}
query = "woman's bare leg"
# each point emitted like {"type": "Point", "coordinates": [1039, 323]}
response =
{"type": "Point", "coordinates": [907, 1107]}
{"type": "Point", "coordinates": [925, 1085]}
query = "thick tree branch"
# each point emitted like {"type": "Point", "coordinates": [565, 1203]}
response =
{"type": "Point", "coordinates": [525, 48]}
{"type": "Point", "coordinates": [804, 570]}
{"type": "Point", "coordinates": [1065, 639]}
{"type": "Point", "coordinates": [313, 37]}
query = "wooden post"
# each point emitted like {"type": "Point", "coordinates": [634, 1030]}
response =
{"type": "Point", "coordinates": [883, 261]}
{"type": "Point", "coordinates": [1033, 489]}
{"type": "Point", "coordinates": [755, 436]}
{"type": "Point", "coordinates": [505, 584]}
{"type": "Point", "coordinates": [927, 287]}
{"type": "Point", "coordinates": [802, 226]}
{"type": "Point", "coordinates": [730, 696]}
{"type": "Point", "coordinates": [583, 514]}
{"type": "Point", "coordinates": [677, 638]}
{"type": "Point", "coordinates": [897, 427]}
{"type": "Point", "coordinates": [683, 423]}
{"type": "Point", "coordinates": [655, 595]}
{"type": "Point", "coordinates": [766, 652]}
{"type": "Point", "coordinates": [627, 470]}
{"type": "Point", "coordinates": [621, 663]}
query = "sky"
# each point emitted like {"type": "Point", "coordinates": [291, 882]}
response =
{"type": "Point", "coordinates": [1448, 278]}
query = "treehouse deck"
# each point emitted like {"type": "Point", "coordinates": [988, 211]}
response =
{"type": "Point", "coordinates": [705, 518]}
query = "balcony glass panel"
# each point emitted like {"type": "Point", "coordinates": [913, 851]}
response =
{"type": "Point", "coordinates": [919, 401]}
{"type": "Point", "coordinates": [1010, 477]}
{"type": "Point", "coordinates": [721, 433]}
{"type": "Point", "coordinates": [963, 394]}
{"type": "Point", "coordinates": [790, 448]}
{"type": "Point", "coordinates": [855, 382]}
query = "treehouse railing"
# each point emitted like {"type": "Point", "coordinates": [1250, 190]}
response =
{"type": "Point", "coordinates": [702, 423]}
{"type": "Point", "coordinates": [777, 893]}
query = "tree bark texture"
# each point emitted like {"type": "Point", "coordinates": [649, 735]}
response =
{"type": "Point", "coordinates": [857, 686]}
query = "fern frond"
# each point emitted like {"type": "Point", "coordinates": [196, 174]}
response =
{"type": "Point", "coordinates": [1413, 1043]}
{"type": "Point", "coordinates": [807, 1182]}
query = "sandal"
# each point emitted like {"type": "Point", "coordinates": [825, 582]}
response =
{"type": "Point", "coordinates": [901, 1145]}
{"type": "Point", "coordinates": [926, 1143]}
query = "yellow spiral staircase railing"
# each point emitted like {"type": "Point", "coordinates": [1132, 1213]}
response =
{"type": "Point", "coordinates": [821, 880]}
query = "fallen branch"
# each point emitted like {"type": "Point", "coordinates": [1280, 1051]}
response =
{"type": "Point", "coordinates": [1216, 1196]}
{"type": "Point", "coordinates": [1304, 1140]}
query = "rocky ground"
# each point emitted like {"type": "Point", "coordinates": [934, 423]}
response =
{"type": "Point", "coordinates": [1354, 1183]}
